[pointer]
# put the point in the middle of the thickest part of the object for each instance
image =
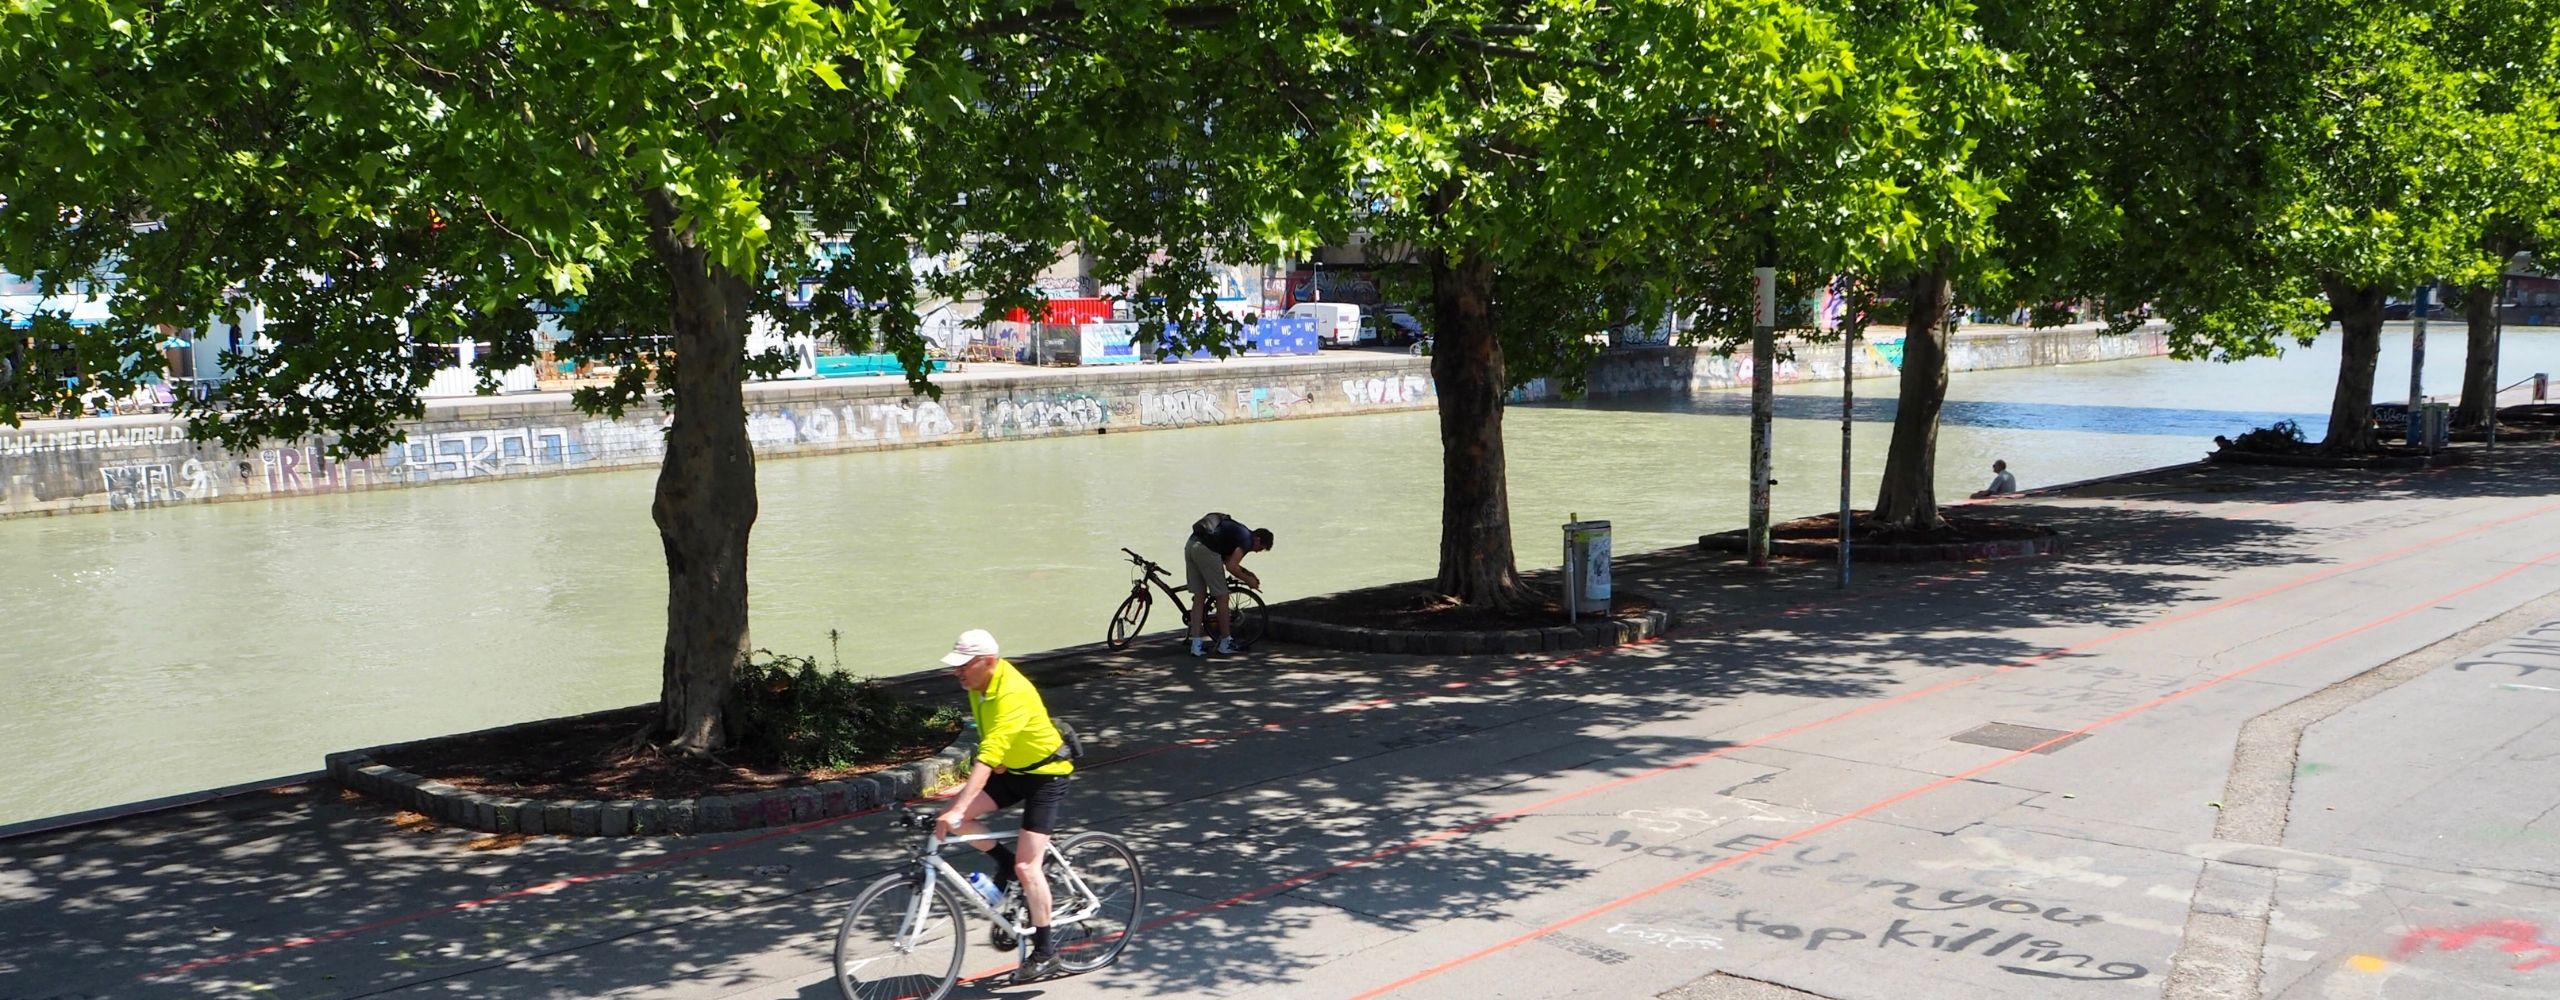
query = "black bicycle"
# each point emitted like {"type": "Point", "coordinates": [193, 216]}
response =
{"type": "Point", "coordinates": [1244, 605]}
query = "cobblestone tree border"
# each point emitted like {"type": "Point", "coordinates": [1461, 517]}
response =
{"type": "Point", "coordinates": [1587, 635]}
{"type": "Point", "coordinates": [2376, 463]}
{"type": "Point", "coordinates": [358, 770]}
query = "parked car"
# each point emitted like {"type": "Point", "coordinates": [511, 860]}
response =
{"type": "Point", "coordinates": [1398, 327]}
{"type": "Point", "coordinates": [2397, 311]}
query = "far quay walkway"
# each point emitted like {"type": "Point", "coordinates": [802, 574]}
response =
{"type": "Point", "coordinates": [2255, 734]}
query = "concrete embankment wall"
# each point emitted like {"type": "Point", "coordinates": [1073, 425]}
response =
{"type": "Point", "coordinates": [123, 463]}
{"type": "Point", "coordinates": [1640, 371]}
{"type": "Point", "coordinates": [126, 463]}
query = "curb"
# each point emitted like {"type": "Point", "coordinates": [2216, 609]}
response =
{"type": "Point", "coordinates": [2506, 435]}
{"type": "Point", "coordinates": [135, 810]}
{"type": "Point", "coordinates": [2059, 488]}
{"type": "Point", "coordinates": [2379, 463]}
{"type": "Point", "coordinates": [1554, 638]}
{"type": "Point", "coordinates": [2006, 548]}
{"type": "Point", "coordinates": [360, 772]}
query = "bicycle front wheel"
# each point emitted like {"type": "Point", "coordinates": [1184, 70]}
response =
{"type": "Point", "coordinates": [1246, 608]}
{"type": "Point", "coordinates": [892, 948]}
{"type": "Point", "coordinates": [1099, 905]}
{"type": "Point", "coordinates": [1126, 622]}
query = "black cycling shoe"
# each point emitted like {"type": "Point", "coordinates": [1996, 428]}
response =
{"type": "Point", "coordinates": [1040, 965]}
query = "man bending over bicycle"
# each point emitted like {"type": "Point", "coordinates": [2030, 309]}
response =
{"type": "Point", "coordinates": [1019, 760]}
{"type": "Point", "coordinates": [1216, 550]}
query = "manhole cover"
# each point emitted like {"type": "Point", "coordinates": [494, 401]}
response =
{"type": "Point", "coordinates": [2012, 737]}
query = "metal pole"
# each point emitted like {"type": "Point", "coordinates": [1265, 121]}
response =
{"type": "Point", "coordinates": [2417, 366]}
{"type": "Point", "coordinates": [1848, 396]}
{"type": "Point", "coordinates": [2497, 344]}
{"type": "Point", "coordinates": [1572, 607]}
{"type": "Point", "coordinates": [1764, 280]}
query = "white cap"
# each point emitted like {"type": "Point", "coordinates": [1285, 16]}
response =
{"type": "Point", "coordinates": [973, 643]}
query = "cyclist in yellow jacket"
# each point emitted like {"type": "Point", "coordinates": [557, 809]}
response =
{"type": "Point", "coordinates": [1019, 760]}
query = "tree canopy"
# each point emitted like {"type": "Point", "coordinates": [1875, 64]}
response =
{"type": "Point", "coordinates": [2266, 168]}
{"type": "Point", "coordinates": [380, 181]}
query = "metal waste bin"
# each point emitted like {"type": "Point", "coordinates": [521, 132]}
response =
{"type": "Point", "coordinates": [2435, 427]}
{"type": "Point", "coordinates": [1586, 568]}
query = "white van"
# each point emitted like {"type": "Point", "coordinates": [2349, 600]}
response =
{"type": "Point", "coordinates": [1337, 323]}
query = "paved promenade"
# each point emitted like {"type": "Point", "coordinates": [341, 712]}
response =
{"type": "Point", "coordinates": [2257, 735]}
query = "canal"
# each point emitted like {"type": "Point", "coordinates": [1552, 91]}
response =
{"type": "Point", "coordinates": [160, 651]}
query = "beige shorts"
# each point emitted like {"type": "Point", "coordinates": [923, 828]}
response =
{"type": "Point", "coordinates": [1203, 570]}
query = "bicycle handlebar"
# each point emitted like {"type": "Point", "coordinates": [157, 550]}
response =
{"type": "Point", "coordinates": [1139, 560]}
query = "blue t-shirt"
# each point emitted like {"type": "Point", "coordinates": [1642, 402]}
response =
{"type": "Point", "coordinates": [1229, 537]}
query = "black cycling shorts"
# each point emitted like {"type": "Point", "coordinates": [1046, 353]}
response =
{"type": "Point", "coordinates": [1046, 793]}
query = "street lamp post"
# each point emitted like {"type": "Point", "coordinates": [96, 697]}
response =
{"type": "Point", "coordinates": [1849, 330]}
{"type": "Point", "coordinates": [2417, 367]}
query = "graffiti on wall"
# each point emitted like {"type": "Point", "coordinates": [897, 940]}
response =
{"type": "Point", "coordinates": [1386, 390]}
{"type": "Point", "coordinates": [1269, 402]}
{"type": "Point", "coordinates": [1887, 351]}
{"type": "Point", "coordinates": [899, 422]}
{"type": "Point", "coordinates": [150, 484]}
{"type": "Point", "coordinates": [47, 442]}
{"type": "Point", "coordinates": [1179, 407]}
{"type": "Point", "coordinates": [1536, 390]}
{"type": "Point", "coordinates": [1036, 414]}
{"type": "Point", "coordinates": [473, 454]}
{"type": "Point", "coordinates": [310, 470]}
{"type": "Point", "coordinates": [75, 469]}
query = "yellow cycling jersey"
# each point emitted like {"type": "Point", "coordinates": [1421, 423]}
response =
{"type": "Point", "coordinates": [1014, 731]}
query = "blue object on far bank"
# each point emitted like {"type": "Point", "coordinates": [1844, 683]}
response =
{"type": "Point", "coordinates": [846, 365]}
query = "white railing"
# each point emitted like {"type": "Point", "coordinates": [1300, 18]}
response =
{"type": "Point", "coordinates": [461, 380]}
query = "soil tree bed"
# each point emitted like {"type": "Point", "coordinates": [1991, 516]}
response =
{"type": "Point", "coordinates": [589, 775]}
{"type": "Point", "coordinates": [595, 757]}
{"type": "Point", "coordinates": [2539, 415]}
{"type": "Point", "coordinates": [1415, 618]}
{"type": "Point", "coordinates": [1962, 536]}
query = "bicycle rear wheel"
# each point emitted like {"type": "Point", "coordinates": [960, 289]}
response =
{"type": "Point", "coordinates": [1246, 608]}
{"type": "Point", "coordinates": [1106, 911]}
{"type": "Point", "coordinates": [1126, 622]}
{"type": "Point", "coordinates": [872, 964]}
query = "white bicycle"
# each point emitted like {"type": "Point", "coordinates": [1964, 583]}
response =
{"type": "Point", "coordinates": [905, 937]}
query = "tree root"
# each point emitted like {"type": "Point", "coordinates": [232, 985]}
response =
{"type": "Point", "coordinates": [643, 745]}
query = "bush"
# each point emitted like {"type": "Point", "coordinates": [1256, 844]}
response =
{"type": "Point", "coordinates": [2047, 316]}
{"type": "Point", "coordinates": [791, 713]}
{"type": "Point", "coordinates": [2283, 438]}
{"type": "Point", "coordinates": [1889, 313]}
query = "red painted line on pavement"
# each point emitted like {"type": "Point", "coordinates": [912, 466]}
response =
{"type": "Point", "coordinates": [295, 943]}
{"type": "Point", "coordinates": [1923, 789]}
{"type": "Point", "coordinates": [2116, 635]}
